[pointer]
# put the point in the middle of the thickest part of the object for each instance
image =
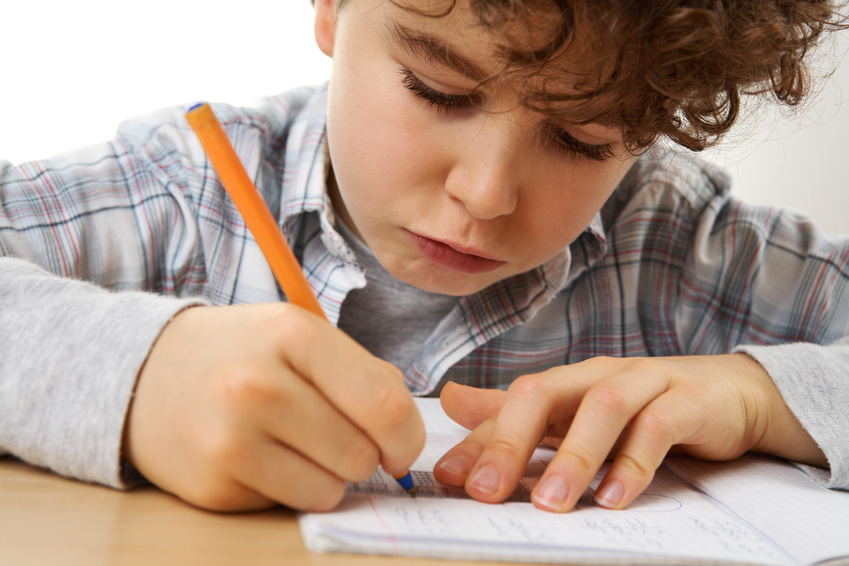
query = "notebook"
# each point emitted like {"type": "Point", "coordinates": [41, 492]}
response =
{"type": "Point", "coordinates": [754, 510]}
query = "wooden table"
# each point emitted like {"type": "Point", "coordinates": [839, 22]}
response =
{"type": "Point", "coordinates": [47, 519]}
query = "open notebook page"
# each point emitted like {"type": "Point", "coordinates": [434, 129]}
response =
{"type": "Point", "coordinates": [810, 522]}
{"type": "Point", "coordinates": [672, 522]}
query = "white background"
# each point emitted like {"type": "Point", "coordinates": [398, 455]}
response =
{"type": "Point", "coordinates": [73, 69]}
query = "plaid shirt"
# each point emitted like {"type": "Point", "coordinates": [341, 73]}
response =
{"type": "Point", "coordinates": [671, 265]}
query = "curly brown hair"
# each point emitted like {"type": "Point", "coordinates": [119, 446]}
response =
{"type": "Point", "coordinates": [658, 68]}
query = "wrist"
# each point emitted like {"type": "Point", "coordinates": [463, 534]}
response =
{"type": "Point", "coordinates": [774, 427]}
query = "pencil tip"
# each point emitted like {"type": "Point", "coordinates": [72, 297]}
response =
{"type": "Point", "coordinates": [412, 492]}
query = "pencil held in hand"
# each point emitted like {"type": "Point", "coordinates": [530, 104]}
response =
{"type": "Point", "coordinates": [405, 480]}
{"type": "Point", "coordinates": [259, 220]}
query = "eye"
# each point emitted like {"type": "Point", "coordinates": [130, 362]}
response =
{"type": "Point", "coordinates": [441, 101]}
{"type": "Point", "coordinates": [573, 147]}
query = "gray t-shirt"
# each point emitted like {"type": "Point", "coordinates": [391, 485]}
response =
{"type": "Point", "coordinates": [392, 319]}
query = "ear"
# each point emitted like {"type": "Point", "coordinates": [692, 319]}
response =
{"type": "Point", "coordinates": [325, 25]}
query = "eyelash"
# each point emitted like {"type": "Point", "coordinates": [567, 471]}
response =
{"type": "Point", "coordinates": [444, 103]}
{"type": "Point", "coordinates": [447, 103]}
{"type": "Point", "coordinates": [573, 146]}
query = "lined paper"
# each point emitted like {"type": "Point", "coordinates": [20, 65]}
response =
{"type": "Point", "coordinates": [693, 513]}
{"type": "Point", "coordinates": [810, 522]}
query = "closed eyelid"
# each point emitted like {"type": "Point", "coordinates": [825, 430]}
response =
{"type": "Point", "coordinates": [572, 138]}
{"type": "Point", "coordinates": [566, 133]}
{"type": "Point", "coordinates": [431, 84]}
{"type": "Point", "coordinates": [598, 152]}
{"type": "Point", "coordinates": [431, 96]}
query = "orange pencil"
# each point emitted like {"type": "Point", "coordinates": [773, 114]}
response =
{"type": "Point", "coordinates": [260, 222]}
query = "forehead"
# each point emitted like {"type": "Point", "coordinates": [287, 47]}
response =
{"type": "Point", "coordinates": [533, 47]}
{"type": "Point", "coordinates": [492, 28]}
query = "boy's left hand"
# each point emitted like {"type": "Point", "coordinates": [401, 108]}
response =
{"type": "Point", "coordinates": [633, 410]}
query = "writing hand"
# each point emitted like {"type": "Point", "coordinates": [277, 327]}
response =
{"type": "Point", "coordinates": [243, 407]}
{"type": "Point", "coordinates": [631, 410]}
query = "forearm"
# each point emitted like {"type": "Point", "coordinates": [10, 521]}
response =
{"type": "Point", "coordinates": [70, 353]}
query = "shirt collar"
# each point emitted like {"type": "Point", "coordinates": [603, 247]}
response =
{"type": "Point", "coordinates": [305, 179]}
{"type": "Point", "coordinates": [306, 163]}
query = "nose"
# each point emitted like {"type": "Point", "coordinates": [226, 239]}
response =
{"type": "Point", "coordinates": [485, 171]}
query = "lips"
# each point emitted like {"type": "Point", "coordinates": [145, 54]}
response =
{"type": "Point", "coordinates": [451, 258]}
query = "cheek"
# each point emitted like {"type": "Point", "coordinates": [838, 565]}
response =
{"type": "Point", "coordinates": [382, 145]}
{"type": "Point", "coordinates": [572, 196]}
{"type": "Point", "coordinates": [371, 114]}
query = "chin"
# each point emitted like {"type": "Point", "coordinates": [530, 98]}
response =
{"type": "Point", "coordinates": [446, 282]}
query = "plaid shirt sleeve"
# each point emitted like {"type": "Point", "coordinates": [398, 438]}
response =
{"type": "Point", "coordinates": [718, 275]}
{"type": "Point", "coordinates": [726, 276]}
{"type": "Point", "coordinates": [119, 214]}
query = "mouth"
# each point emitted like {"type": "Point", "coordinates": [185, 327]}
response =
{"type": "Point", "coordinates": [449, 257]}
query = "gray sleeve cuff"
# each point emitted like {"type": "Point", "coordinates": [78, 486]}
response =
{"type": "Point", "coordinates": [814, 381]}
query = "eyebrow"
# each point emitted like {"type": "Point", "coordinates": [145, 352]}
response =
{"type": "Point", "coordinates": [433, 50]}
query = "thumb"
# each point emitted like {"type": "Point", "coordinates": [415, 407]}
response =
{"type": "Point", "coordinates": [470, 406]}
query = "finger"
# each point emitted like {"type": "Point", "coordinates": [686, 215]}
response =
{"type": "Point", "coordinates": [599, 421]}
{"type": "Point", "coordinates": [558, 429]}
{"type": "Point", "coordinates": [302, 419]}
{"type": "Point", "coordinates": [274, 472]}
{"type": "Point", "coordinates": [663, 423]}
{"type": "Point", "coordinates": [454, 466]}
{"type": "Point", "coordinates": [535, 407]}
{"type": "Point", "coordinates": [267, 398]}
{"type": "Point", "coordinates": [470, 406]}
{"type": "Point", "coordinates": [235, 465]}
{"type": "Point", "coordinates": [366, 390]}
{"type": "Point", "coordinates": [519, 427]}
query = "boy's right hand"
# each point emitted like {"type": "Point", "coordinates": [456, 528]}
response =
{"type": "Point", "coordinates": [244, 407]}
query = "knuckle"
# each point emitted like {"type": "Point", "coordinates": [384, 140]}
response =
{"type": "Point", "coordinates": [394, 406]}
{"type": "Point", "coordinates": [634, 467]}
{"type": "Point", "coordinates": [530, 385]}
{"type": "Point", "coordinates": [607, 398]}
{"type": "Point", "coordinates": [506, 441]}
{"type": "Point", "coordinates": [360, 462]}
{"type": "Point", "coordinates": [291, 325]}
{"type": "Point", "coordinates": [471, 446]}
{"type": "Point", "coordinates": [243, 386]}
{"type": "Point", "coordinates": [639, 364]}
{"type": "Point", "coordinates": [655, 426]}
{"type": "Point", "coordinates": [601, 363]}
{"type": "Point", "coordinates": [579, 459]}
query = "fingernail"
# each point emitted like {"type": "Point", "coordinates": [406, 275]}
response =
{"type": "Point", "coordinates": [551, 493]}
{"type": "Point", "coordinates": [610, 494]}
{"type": "Point", "coordinates": [486, 480]}
{"type": "Point", "coordinates": [455, 465]}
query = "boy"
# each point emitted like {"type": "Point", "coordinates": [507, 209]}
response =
{"type": "Point", "coordinates": [488, 206]}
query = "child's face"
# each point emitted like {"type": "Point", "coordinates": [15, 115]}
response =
{"type": "Point", "coordinates": [452, 192]}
